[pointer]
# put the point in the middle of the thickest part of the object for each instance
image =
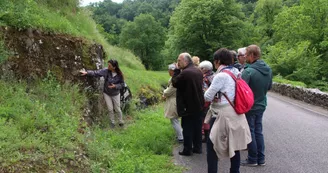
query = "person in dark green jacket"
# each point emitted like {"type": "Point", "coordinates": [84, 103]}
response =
{"type": "Point", "coordinates": [258, 76]}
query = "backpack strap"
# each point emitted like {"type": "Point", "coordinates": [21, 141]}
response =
{"type": "Point", "coordinates": [235, 79]}
{"type": "Point", "coordinates": [230, 74]}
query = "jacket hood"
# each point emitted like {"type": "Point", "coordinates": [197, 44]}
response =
{"type": "Point", "coordinates": [260, 66]}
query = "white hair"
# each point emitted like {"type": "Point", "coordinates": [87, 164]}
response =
{"type": "Point", "coordinates": [172, 66]}
{"type": "Point", "coordinates": [242, 51]}
{"type": "Point", "coordinates": [206, 64]}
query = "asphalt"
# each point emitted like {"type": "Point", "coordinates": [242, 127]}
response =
{"type": "Point", "coordinates": [296, 141]}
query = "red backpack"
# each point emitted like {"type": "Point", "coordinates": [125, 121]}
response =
{"type": "Point", "coordinates": [244, 98]}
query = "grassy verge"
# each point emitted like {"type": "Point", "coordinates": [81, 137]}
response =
{"type": "Point", "coordinates": [139, 79]}
{"type": "Point", "coordinates": [143, 146]}
{"type": "Point", "coordinates": [280, 79]}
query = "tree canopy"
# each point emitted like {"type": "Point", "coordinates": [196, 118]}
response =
{"type": "Point", "coordinates": [145, 37]}
{"type": "Point", "coordinates": [291, 33]}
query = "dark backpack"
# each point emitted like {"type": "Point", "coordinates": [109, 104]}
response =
{"type": "Point", "coordinates": [244, 97]}
{"type": "Point", "coordinates": [125, 94]}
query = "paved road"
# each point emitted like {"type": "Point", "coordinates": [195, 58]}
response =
{"type": "Point", "coordinates": [296, 138]}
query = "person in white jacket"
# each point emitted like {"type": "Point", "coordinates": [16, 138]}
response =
{"type": "Point", "coordinates": [170, 107]}
{"type": "Point", "coordinates": [229, 131]}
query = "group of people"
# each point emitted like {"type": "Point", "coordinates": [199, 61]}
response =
{"type": "Point", "coordinates": [201, 98]}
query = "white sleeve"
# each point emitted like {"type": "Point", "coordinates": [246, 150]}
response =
{"type": "Point", "coordinates": [215, 87]}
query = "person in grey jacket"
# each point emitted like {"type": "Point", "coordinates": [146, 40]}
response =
{"type": "Point", "coordinates": [114, 81]}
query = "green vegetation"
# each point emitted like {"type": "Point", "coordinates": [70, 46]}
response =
{"type": "Point", "coordinates": [280, 79]}
{"type": "Point", "coordinates": [3, 51]}
{"type": "Point", "coordinates": [291, 33]}
{"type": "Point", "coordinates": [69, 20]}
{"type": "Point", "coordinates": [201, 26]}
{"type": "Point", "coordinates": [145, 37]}
{"type": "Point", "coordinates": [144, 146]}
{"type": "Point", "coordinates": [138, 79]}
{"type": "Point", "coordinates": [41, 126]}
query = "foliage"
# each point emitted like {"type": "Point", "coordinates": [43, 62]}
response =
{"type": "Point", "coordinates": [40, 126]}
{"type": "Point", "coordinates": [145, 37]}
{"type": "Point", "coordinates": [28, 14]}
{"type": "Point", "coordinates": [279, 79]}
{"type": "Point", "coordinates": [138, 79]}
{"type": "Point", "coordinates": [112, 16]}
{"type": "Point", "coordinates": [299, 52]}
{"type": "Point", "coordinates": [201, 26]}
{"type": "Point", "coordinates": [144, 146]}
{"type": "Point", "coordinates": [298, 63]}
{"type": "Point", "coordinates": [3, 52]}
{"type": "Point", "coordinates": [263, 18]}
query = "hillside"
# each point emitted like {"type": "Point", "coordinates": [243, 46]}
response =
{"type": "Point", "coordinates": [51, 120]}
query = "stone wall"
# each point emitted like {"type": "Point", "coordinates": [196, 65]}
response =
{"type": "Point", "coordinates": [312, 96]}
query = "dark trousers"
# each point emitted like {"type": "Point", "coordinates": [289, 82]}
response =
{"type": "Point", "coordinates": [212, 158]}
{"type": "Point", "coordinates": [192, 132]}
{"type": "Point", "coordinates": [256, 147]}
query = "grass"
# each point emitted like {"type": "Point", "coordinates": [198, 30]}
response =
{"type": "Point", "coordinates": [138, 79]}
{"type": "Point", "coordinates": [35, 14]}
{"type": "Point", "coordinates": [280, 79]}
{"type": "Point", "coordinates": [144, 146]}
{"type": "Point", "coordinates": [41, 126]}
{"type": "Point", "coordinates": [43, 129]}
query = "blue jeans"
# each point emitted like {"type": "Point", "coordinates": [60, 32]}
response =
{"type": "Point", "coordinates": [212, 159]}
{"type": "Point", "coordinates": [256, 147]}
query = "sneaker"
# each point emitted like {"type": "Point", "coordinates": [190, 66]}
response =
{"type": "Point", "coordinates": [261, 164]}
{"type": "Point", "coordinates": [247, 163]}
{"type": "Point", "coordinates": [121, 124]}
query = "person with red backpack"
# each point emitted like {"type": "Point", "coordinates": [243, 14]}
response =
{"type": "Point", "coordinates": [258, 75]}
{"type": "Point", "coordinates": [229, 131]}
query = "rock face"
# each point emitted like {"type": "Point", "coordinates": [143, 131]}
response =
{"type": "Point", "coordinates": [312, 96]}
{"type": "Point", "coordinates": [33, 54]}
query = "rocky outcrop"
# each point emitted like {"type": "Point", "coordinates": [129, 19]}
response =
{"type": "Point", "coordinates": [312, 96]}
{"type": "Point", "coordinates": [34, 55]}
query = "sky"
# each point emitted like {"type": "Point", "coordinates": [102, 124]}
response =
{"type": "Point", "coordinates": [86, 2]}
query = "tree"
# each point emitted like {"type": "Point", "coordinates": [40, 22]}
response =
{"type": "Point", "coordinates": [263, 18]}
{"type": "Point", "coordinates": [300, 42]}
{"type": "Point", "coordinates": [201, 26]}
{"type": "Point", "coordinates": [145, 37]}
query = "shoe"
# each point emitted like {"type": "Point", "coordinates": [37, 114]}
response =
{"type": "Point", "coordinates": [261, 164]}
{"type": "Point", "coordinates": [247, 163]}
{"type": "Point", "coordinates": [185, 153]}
{"type": "Point", "coordinates": [180, 141]}
{"type": "Point", "coordinates": [121, 124]}
{"type": "Point", "coordinates": [197, 151]}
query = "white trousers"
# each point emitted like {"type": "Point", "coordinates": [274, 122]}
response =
{"type": "Point", "coordinates": [177, 127]}
{"type": "Point", "coordinates": [113, 103]}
